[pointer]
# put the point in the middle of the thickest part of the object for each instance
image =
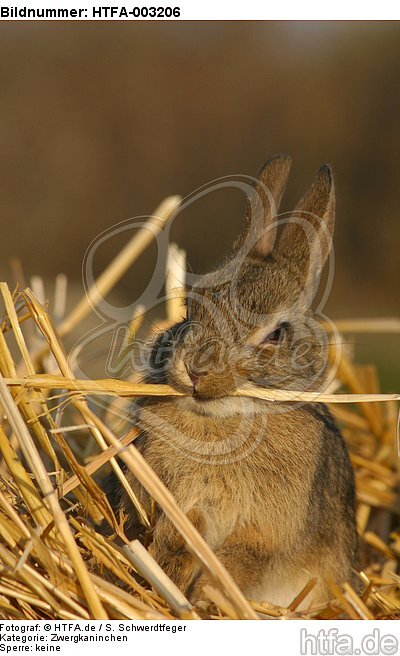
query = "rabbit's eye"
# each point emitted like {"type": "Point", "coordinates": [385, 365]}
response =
{"type": "Point", "coordinates": [276, 337]}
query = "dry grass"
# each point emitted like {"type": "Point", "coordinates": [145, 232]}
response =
{"type": "Point", "coordinates": [55, 562]}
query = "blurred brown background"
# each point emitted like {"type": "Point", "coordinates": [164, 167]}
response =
{"type": "Point", "coordinates": [99, 122]}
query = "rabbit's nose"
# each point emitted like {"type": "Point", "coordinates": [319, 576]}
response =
{"type": "Point", "coordinates": [194, 377]}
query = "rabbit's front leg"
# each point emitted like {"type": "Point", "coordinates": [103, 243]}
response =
{"type": "Point", "coordinates": [170, 551]}
{"type": "Point", "coordinates": [245, 555]}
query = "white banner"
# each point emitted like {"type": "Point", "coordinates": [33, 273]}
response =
{"type": "Point", "coordinates": [133, 10]}
{"type": "Point", "coordinates": [178, 638]}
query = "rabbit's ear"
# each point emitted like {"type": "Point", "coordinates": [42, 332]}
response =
{"type": "Point", "coordinates": [262, 205]}
{"type": "Point", "coordinates": [307, 237]}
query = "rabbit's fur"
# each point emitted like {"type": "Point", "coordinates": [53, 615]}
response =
{"type": "Point", "coordinates": [269, 486]}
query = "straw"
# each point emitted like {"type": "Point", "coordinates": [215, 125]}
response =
{"type": "Point", "coordinates": [116, 387]}
{"type": "Point", "coordinates": [152, 572]}
{"type": "Point", "coordinates": [32, 456]}
{"type": "Point", "coordinates": [121, 263]}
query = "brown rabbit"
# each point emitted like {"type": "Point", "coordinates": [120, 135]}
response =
{"type": "Point", "coordinates": [269, 486]}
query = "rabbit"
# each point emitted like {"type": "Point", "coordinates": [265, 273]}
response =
{"type": "Point", "coordinates": [268, 485]}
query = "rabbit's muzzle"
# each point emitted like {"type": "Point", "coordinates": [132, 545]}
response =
{"type": "Point", "coordinates": [210, 386]}
{"type": "Point", "coordinates": [206, 369]}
